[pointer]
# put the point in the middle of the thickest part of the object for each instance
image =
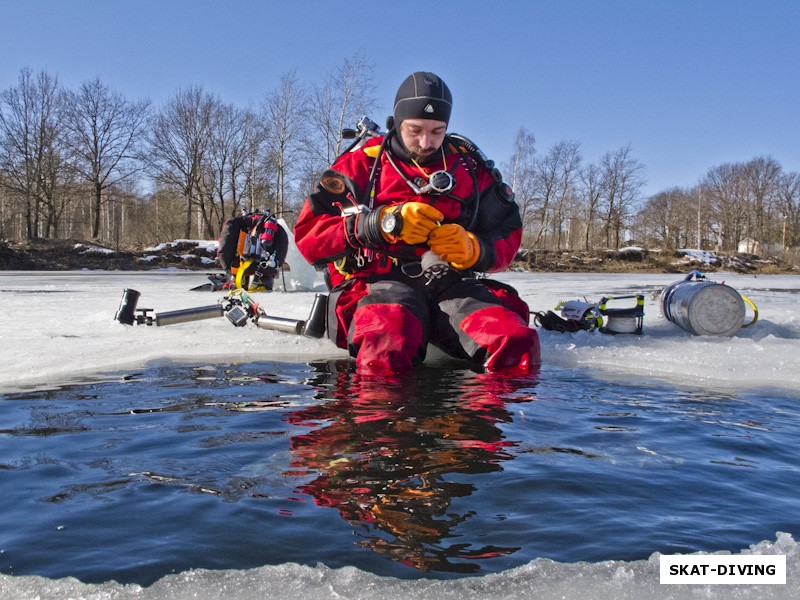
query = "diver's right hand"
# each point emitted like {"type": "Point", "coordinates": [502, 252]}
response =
{"type": "Point", "coordinates": [418, 220]}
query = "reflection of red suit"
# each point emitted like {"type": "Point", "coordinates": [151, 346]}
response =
{"type": "Point", "coordinates": [379, 310]}
{"type": "Point", "coordinates": [383, 461]}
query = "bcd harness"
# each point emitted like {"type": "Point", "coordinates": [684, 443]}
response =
{"type": "Point", "coordinates": [260, 248]}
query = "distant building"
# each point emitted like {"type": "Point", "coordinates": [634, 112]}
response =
{"type": "Point", "coordinates": [751, 246]}
{"type": "Point", "coordinates": [748, 246]}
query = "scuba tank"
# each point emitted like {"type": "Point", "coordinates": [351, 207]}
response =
{"type": "Point", "coordinates": [704, 307]}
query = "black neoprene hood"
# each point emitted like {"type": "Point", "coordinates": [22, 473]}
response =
{"type": "Point", "coordinates": [423, 95]}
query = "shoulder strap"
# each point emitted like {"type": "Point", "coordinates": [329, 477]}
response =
{"type": "Point", "coordinates": [370, 191]}
{"type": "Point", "coordinates": [463, 144]}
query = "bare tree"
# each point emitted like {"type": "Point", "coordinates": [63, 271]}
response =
{"type": "Point", "coordinates": [726, 191]}
{"type": "Point", "coordinates": [590, 192]}
{"type": "Point", "coordinates": [254, 188]}
{"type": "Point", "coordinates": [159, 217]}
{"type": "Point", "coordinates": [236, 137]}
{"type": "Point", "coordinates": [566, 155]}
{"type": "Point", "coordinates": [555, 179]}
{"type": "Point", "coordinates": [345, 96]}
{"type": "Point", "coordinates": [520, 172]}
{"type": "Point", "coordinates": [7, 212]}
{"type": "Point", "coordinates": [622, 181]}
{"type": "Point", "coordinates": [32, 159]}
{"type": "Point", "coordinates": [763, 175]}
{"type": "Point", "coordinates": [669, 219]}
{"type": "Point", "coordinates": [179, 143]}
{"type": "Point", "coordinates": [285, 112]}
{"type": "Point", "coordinates": [103, 130]}
{"type": "Point", "coordinates": [789, 207]}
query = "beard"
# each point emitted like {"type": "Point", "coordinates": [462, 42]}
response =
{"type": "Point", "coordinates": [416, 152]}
{"type": "Point", "coordinates": [419, 153]}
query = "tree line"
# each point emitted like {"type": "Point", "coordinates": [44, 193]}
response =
{"type": "Point", "coordinates": [93, 164]}
{"type": "Point", "coordinates": [568, 204]}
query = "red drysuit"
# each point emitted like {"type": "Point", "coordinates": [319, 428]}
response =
{"type": "Point", "coordinates": [382, 307]}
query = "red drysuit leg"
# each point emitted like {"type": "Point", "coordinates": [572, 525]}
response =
{"type": "Point", "coordinates": [504, 337]}
{"type": "Point", "coordinates": [390, 327]}
{"type": "Point", "coordinates": [388, 336]}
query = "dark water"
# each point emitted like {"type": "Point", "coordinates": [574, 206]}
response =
{"type": "Point", "coordinates": [443, 473]}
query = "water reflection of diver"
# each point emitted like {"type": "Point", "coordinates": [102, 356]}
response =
{"type": "Point", "coordinates": [382, 452]}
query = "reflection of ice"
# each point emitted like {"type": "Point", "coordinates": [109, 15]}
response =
{"type": "Point", "coordinates": [659, 456]}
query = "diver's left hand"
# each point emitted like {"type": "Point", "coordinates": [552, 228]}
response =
{"type": "Point", "coordinates": [455, 245]}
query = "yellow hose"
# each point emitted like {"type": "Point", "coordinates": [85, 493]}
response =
{"type": "Point", "coordinates": [240, 273]}
{"type": "Point", "coordinates": [754, 307]}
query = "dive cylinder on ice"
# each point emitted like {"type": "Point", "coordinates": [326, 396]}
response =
{"type": "Point", "coordinates": [703, 307]}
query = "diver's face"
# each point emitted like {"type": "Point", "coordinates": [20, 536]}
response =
{"type": "Point", "coordinates": [422, 137]}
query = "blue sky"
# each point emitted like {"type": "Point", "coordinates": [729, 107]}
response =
{"type": "Point", "coordinates": [689, 84]}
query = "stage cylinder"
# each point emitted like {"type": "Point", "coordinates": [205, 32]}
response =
{"type": "Point", "coordinates": [703, 307]}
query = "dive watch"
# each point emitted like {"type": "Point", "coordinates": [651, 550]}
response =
{"type": "Point", "coordinates": [392, 223]}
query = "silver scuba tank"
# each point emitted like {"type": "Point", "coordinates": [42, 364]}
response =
{"type": "Point", "coordinates": [703, 307]}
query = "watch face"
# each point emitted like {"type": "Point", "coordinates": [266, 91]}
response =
{"type": "Point", "coordinates": [389, 222]}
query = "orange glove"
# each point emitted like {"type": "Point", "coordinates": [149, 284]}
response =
{"type": "Point", "coordinates": [419, 219]}
{"type": "Point", "coordinates": [456, 245]}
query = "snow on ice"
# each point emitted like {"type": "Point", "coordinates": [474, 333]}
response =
{"type": "Point", "coordinates": [59, 326]}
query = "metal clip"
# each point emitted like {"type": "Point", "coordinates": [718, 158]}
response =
{"type": "Point", "coordinates": [430, 266]}
{"type": "Point", "coordinates": [360, 260]}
